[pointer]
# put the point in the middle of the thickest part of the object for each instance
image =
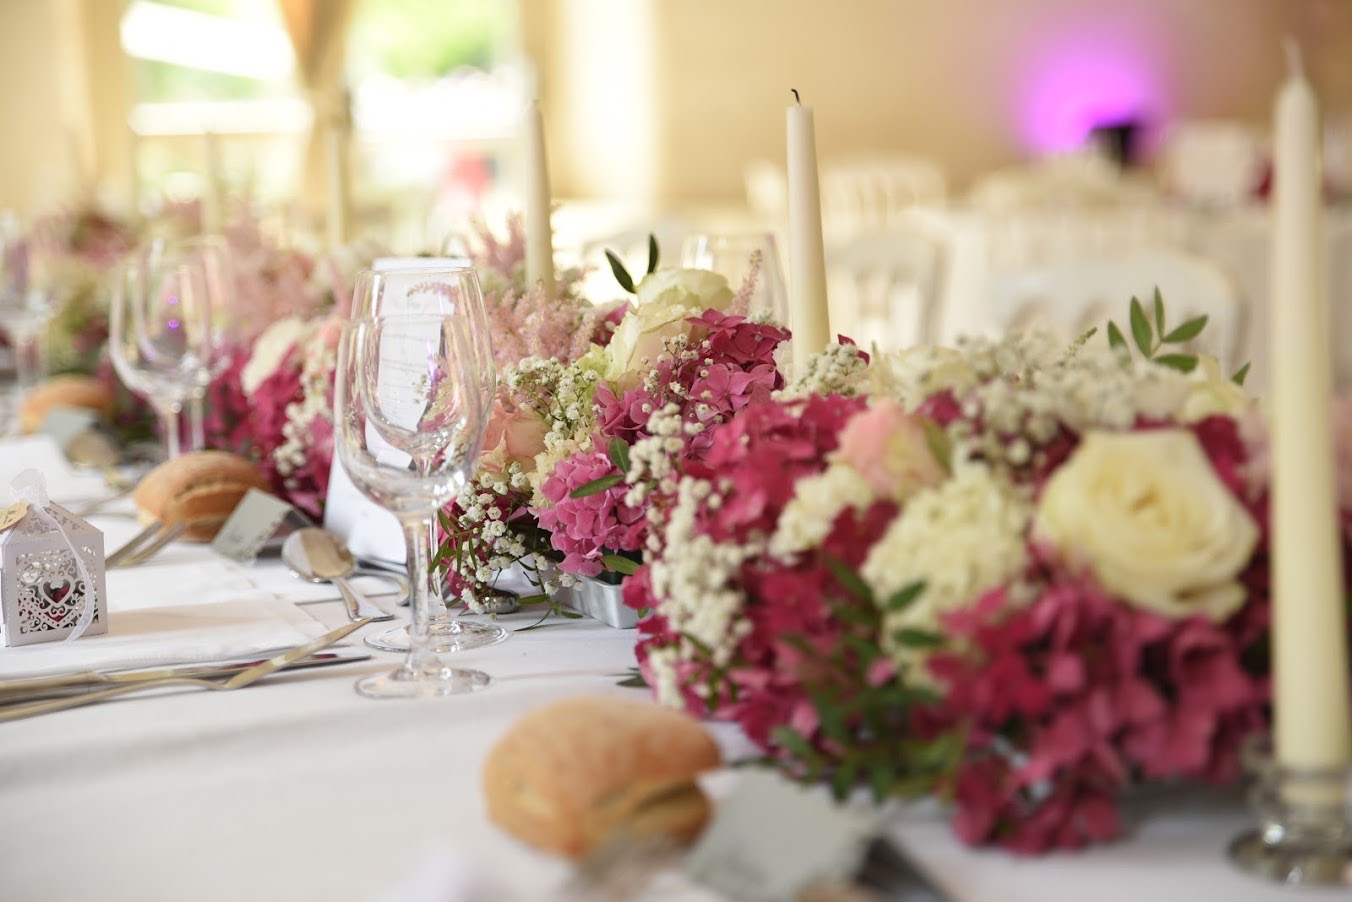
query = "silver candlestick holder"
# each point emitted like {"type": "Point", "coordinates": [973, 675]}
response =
{"type": "Point", "coordinates": [1305, 836]}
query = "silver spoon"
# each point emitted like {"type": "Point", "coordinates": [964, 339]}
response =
{"type": "Point", "coordinates": [319, 556]}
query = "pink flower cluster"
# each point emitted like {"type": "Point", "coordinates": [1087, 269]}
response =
{"type": "Point", "coordinates": [727, 365]}
{"type": "Point", "coordinates": [1057, 703]}
{"type": "Point", "coordinates": [586, 528]}
{"type": "Point", "coordinates": [764, 452]}
{"type": "Point", "coordinates": [253, 426]}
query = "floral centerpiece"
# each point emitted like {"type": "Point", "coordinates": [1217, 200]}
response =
{"type": "Point", "coordinates": [549, 494]}
{"type": "Point", "coordinates": [1018, 576]}
{"type": "Point", "coordinates": [273, 401]}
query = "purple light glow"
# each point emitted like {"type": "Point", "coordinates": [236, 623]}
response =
{"type": "Point", "coordinates": [1071, 89]}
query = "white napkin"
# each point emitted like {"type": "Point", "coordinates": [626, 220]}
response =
{"type": "Point", "coordinates": [40, 452]}
{"type": "Point", "coordinates": [155, 637]}
{"type": "Point", "coordinates": [192, 582]}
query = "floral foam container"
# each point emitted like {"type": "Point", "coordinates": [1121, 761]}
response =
{"type": "Point", "coordinates": [599, 601]}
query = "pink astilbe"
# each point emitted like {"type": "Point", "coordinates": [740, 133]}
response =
{"type": "Point", "coordinates": [530, 325]}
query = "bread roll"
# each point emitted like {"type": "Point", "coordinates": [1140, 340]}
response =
{"type": "Point", "coordinates": [568, 776]}
{"type": "Point", "coordinates": [65, 391]}
{"type": "Point", "coordinates": [201, 488]}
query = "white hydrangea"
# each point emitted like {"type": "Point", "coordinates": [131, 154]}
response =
{"type": "Point", "coordinates": [817, 501]}
{"type": "Point", "coordinates": [961, 539]}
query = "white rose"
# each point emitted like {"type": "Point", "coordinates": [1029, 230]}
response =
{"type": "Point", "coordinates": [697, 288]}
{"type": "Point", "coordinates": [640, 338]}
{"type": "Point", "coordinates": [1147, 514]}
{"type": "Point", "coordinates": [270, 350]}
{"type": "Point", "coordinates": [1211, 392]}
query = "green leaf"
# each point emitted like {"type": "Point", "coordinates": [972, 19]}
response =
{"type": "Point", "coordinates": [793, 742]}
{"type": "Point", "coordinates": [1159, 312]}
{"type": "Point", "coordinates": [881, 780]}
{"type": "Point", "coordinates": [621, 274]}
{"type": "Point", "coordinates": [939, 444]}
{"type": "Point", "coordinates": [917, 638]}
{"type": "Point", "coordinates": [620, 564]}
{"type": "Point", "coordinates": [904, 598]}
{"type": "Point", "coordinates": [1186, 332]}
{"type": "Point", "coordinates": [633, 680]}
{"type": "Point", "coordinates": [843, 780]}
{"type": "Point", "coordinates": [850, 580]}
{"type": "Point", "coordinates": [1116, 340]}
{"type": "Point", "coordinates": [618, 452]}
{"type": "Point", "coordinates": [652, 253]}
{"type": "Point", "coordinates": [533, 599]}
{"type": "Point", "coordinates": [597, 486]}
{"type": "Point", "coordinates": [1140, 328]}
{"type": "Point", "coordinates": [1184, 363]}
{"type": "Point", "coordinates": [1239, 377]}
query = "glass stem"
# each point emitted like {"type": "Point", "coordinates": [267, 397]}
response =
{"type": "Point", "coordinates": [197, 424]}
{"type": "Point", "coordinates": [441, 613]}
{"type": "Point", "coordinates": [169, 423]}
{"type": "Point", "coordinates": [30, 357]}
{"type": "Point", "coordinates": [417, 537]}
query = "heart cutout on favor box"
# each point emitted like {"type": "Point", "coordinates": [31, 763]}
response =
{"type": "Point", "coordinates": [57, 592]}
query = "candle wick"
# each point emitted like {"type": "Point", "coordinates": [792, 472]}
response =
{"type": "Point", "coordinates": [796, 99]}
{"type": "Point", "coordinates": [1293, 60]}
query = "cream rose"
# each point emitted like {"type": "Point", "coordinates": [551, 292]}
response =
{"type": "Point", "coordinates": [698, 288]}
{"type": "Point", "coordinates": [1147, 514]}
{"type": "Point", "coordinates": [271, 349]}
{"type": "Point", "coordinates": [1211, 392]}
{"type": "Point", "coordinates": [513, 434]}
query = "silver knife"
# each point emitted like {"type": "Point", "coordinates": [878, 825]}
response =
{"type": "Point", "coordinates": [71, 683]}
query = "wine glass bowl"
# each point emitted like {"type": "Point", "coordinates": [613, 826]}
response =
{"type": "Point", "coordinates": [731, 256]}
{"type": "Point", "coordinates": [159, 335]}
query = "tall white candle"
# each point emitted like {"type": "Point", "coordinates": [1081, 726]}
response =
{"type": "Point", "coordinates": [213, 205]}
{"type": "Point", "coordinates": [539, 235]}
{"type": "Point", "coordinates": [808, 317]}
{"type": "Point", "coordinates": [1310, 676]}
{"type": "Point", "coordinates": [339, 206]}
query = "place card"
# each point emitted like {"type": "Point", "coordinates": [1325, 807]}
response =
{"type": "Point", "coordinates": [251, 524]}
{"type": "Point", "coordinates": [64, 423]}
{"type": "Point", "coordinates": [772, 839]}
{"type": "Point", "coordinates": [370, 531]}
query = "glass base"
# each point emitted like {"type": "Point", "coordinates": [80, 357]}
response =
{"type": "Point", "coordinates": [432, 682]}
{"type": "Point", "coordinates": [1292, 862]}
{"type": "Point", "coordinates": [447, 636]}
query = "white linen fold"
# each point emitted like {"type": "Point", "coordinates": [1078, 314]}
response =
{"type": "Point", "coordinates": [160, 636]}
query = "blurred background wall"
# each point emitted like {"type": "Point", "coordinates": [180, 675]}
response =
{"type": "Point", "coordinates": [648, 101]}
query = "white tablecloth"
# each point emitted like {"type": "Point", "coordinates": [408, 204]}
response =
{"type": "Point", "coordinates": [298, 789]}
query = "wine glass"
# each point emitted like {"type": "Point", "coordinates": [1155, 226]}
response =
{"type": "Point", "coordinates": [410, 421]}
{"type": "Point", "coordinates": [445, 291]}
{"type": "Point", "coordinates": [210, 253]}
{"type": "Point", "coordinates": [160, 334]}
{"type": "Point", "coordinates": [731, 256]}
{"type": "Point", "coordinates": [24, 312]}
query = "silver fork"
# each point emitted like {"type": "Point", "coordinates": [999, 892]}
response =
{"type": "Point", "coordinates": [141, 555]}
{"type": "Point", "coordinates": [133, 544]}
{"type": "Point", "coordinates": [238, 681]}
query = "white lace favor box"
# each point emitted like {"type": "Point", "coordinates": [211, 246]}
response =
{"type": "Point", "coordinates": [43, 592]}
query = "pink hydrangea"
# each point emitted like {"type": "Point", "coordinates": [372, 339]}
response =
{"type": "Point", "coordinates": [587, 528]}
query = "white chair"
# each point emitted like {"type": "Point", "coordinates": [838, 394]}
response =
{"type": "Point", "coordinates": [864, 194]}
{"type": "Point", "coordinates": [884, 289]}
{"type": "Point", "coordinates": [1214, 163]}
{"type": "Point", "coordinates": [1072, 297]}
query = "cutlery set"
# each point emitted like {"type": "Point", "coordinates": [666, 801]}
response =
{"type": "Point", "coordinates": [28, 697]}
